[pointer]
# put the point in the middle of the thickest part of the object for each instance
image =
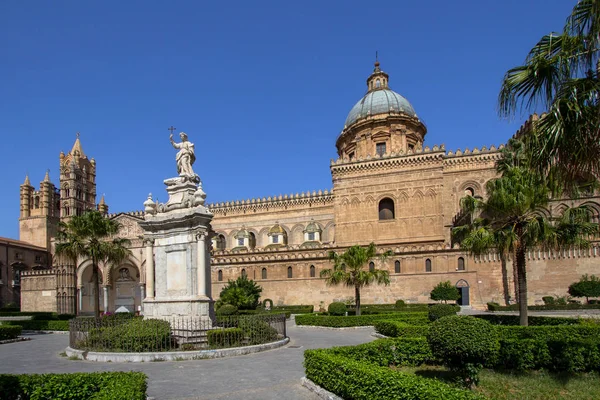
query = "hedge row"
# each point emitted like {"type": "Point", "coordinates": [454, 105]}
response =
{"type": "Point", "coordinates": [545, 307]}
{"type": "Point", "coordinates": [78, 386]}
{"type": "Point", "coordinates": [40, 325]}
{"type": "Point", "coordinates": [298, 309]}
{"type": "Point", "coordinates": [413, 318]}
{"type": "Point", "coordinates": [262, 312]}
{"type": "Point", "coordinates": [8, 332]}
{"type": "Point", "coordinates": [533, 320]}
{"type": "Point", "coordinates": [382, 308]}
{"type": "Point", "coordinates": [132, 335]}
{"type": "Point", "coordinates": [557, 332]}
{"type": "Point", "coordinates": [352, 379]}
{"type": "Point", "coordinates": [520, 354]}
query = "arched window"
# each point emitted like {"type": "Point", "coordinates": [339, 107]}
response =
{"type": "Point", "coordinates": [312, 271]}
{"type": "Point", "coordinates": [37, 202]}
{"type": "Point", "coordinates": [386, 209]}
{"type": "Point", "coordinates": [428, 265]}
{"type": "Point", "coordinates": [220, 275]}
{"type": "Point", "coordinates": [221, 244]}
{"type": "Point", "coordinates": [397, 267]}
{"type": "Point", "coordinates": [252, 240]}
{"type": "Point", "coordinates": [263, 274]}
{"type": "Point", "coordinates": [469, 192]}
{"type": "Point", "coordinates": [244, 272]}
{"type": "Point", "coordinates": [377, 83]}
{"type": "Point", "coordinates": [371, 266]}
{"type": "Point", "coordinates": [461, 264]}
{"type": "Point", "coordinates": [290, 274]}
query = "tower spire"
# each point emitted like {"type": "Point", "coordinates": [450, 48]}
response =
{"type": "Point", "coordinates": [47, 176]}
{"type": "Point", "coordinates": [27, 182]}
{"type": "Point", "coordinates": [77, 149]}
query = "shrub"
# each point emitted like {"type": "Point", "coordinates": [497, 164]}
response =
{"type": "Point", "coordinates": [269, 302]}
{"type": "Point", "coordinates": [444, 291]}
{"type": "Point", "coordinates": [297, 309]}
{"type": "Point", "coordinates": [464, 344]}
{"type": "Point", "coordinates": [337, 308]}
{"type": "Point", "coordinates": [230, 337]}
{"type": "Point", "coordinates": [242, 293]}
{"type": "Point", "coordinates": [400, 304]}
{"type": "Point", "coordinates": [257, 331]}
{"type": "Point", "coordinates": [437, 311]}
{"type": "Point", "coordinates": [523, 354]}
{"type": "Point", "coordinates": [413, 318]}
{"type": "Point", "coordinates": [352, 379]}
{"type": "Point", "coordinates": [545, 333]}
{"type": "Point", "coordinates": [574, 355]}
{"type": "Point", "coordinates": [226, 309]}
{"type": "Point", "coordinates": [77, 386]}
{"type": "Point", "coordinates": [135, 335]}
{"type": "Point", "coordinates": [401, 329]}
{"type": "Point", "coordinates": [587, 286]}
{"type": "Point", "coordinates": [548, 300]}
{"type": "Point", "coordinates": [8, 332]}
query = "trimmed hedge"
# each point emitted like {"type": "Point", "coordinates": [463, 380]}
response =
{"type": "Point", "coordinates": [8, 332]}
{"type": "Point", "coordinates": [135, 335]}
{"type": "Point", "coordinates": [226, 309]}
{"type": "Point", "coordinates": [230, 337]}
{"type": "Point", "coordinates": [498, 319]}
{"type": "Point", "coordinates": [557, 332]}
{"type": "Point", "coordinates": [295, 309]}
{"type": "Point", "coordinates": [414, 318]}
{"type": "Point", "coordinates": [352, 379]}
{"type": "Point", "coordinates": [337, 309]}
{"type": "Point", "coordinates": [401, 329]}
{"type": "Point", "coordinates": [287, 314]}
{"type": "Point", "coordinates": [77, 386]}
{"type": "Point", "coordinates": [40, 325]}
{"type": "Point", "coordinates": [546, 307]}
{"type": "Point", "coordinates": [437, 311]}
{"type": "Point", "coordinates": [389, 352]}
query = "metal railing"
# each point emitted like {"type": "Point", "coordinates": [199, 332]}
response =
{"type": "Point", "coordinates": [175, 333]}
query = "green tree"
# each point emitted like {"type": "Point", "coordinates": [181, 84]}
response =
{"type": "Point", "coordinates": [242, 293]}
{"type": "Point", "coordinates": [348, 269]}
{"type": "Point", "coordinates": [560, 76]}
{"type": "Point", "coordinates": [444, 291]}
{"type": "Point", "coordinates": [511, 221]}
{"type": "Point", "coordinates": [587, 286]}
{"type": "Point", "coordinates": [88, 236]}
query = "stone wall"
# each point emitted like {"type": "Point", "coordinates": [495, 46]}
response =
{"type": "Point", "coordinates": [39, 291]}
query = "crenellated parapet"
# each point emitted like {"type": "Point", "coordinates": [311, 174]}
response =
{"type": "Point", "coordinates": [298, 253]}
{"type": "Point", "coordinates": [274, 202]}
{"type": "Point", "coordinates": [39, 272]}
{"type": "Point", "coordinates": [545, 254]}
{"type": "Point", "coordinates": [527, 125]}
{"type": "Point", "coordinates": [484, 157]}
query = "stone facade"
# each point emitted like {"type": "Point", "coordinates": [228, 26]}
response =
{"type": "Point", "coordinates": [388, 188]}
{"type": "Point", "coordinates": [16, 259]}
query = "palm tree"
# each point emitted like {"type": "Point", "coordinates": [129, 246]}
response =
{"type": "Point", "coordinates": [88, 236]}
{"type": "Point", "coordinates": [348, 269]}
{"type": "Point", "coordinates": [510, 222]}
{"type": "Point", "coordinates": [561, 77]}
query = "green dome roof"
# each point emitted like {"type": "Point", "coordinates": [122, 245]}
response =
{"type": "Point", "coordinates": [381, 101]}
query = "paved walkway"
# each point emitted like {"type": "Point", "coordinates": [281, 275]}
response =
{"type": "Point", "coordinates": [273, 374]}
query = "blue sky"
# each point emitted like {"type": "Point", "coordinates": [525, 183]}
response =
{"type": "Point", "coordinates": [262, 88]}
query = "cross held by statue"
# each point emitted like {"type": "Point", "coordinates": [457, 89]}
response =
{"type": "Point", "coordinates": [172, 128]}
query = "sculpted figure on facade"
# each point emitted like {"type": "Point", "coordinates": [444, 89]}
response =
{"type": "Point", "coordinates": [185, 157]}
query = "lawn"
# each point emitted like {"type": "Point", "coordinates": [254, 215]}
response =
{"type": "Point", "coordinates": [532, 385]}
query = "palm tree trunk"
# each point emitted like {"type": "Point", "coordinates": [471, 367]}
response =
{"type": "Point", "coordinates": [515, 275]}
{"type": "Point", "coordinates": [505, 289]}
{"type": "Point", "coordinates": [357, 296]}
{"type": "Point", "coordinates": [97, 288]}
{"type": "Point", "coordinates": [522, 278]}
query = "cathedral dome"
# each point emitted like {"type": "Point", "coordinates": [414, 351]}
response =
{"type": "Point", "coordinates": [379, 101]}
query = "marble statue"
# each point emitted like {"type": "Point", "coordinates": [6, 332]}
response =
{"type": "Point", "coordinates": [185, 157]}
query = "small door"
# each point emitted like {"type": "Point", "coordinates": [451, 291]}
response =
{"type": "Point", "coordinates": [463, 300]}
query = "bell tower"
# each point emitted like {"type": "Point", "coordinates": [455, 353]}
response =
{"type": "Point", "coordinates": [39, 216]}
{"type": "Point", "coordinates": [77, 182]}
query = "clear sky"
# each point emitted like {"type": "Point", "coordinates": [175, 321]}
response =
{"type": "Point", "coordinates": [262, 88]}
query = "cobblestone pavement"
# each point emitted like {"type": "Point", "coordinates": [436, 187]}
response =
{"type": "Point", "coordinates": [273, 374]}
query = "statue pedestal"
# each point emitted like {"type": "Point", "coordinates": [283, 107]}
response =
{"type": "Point", "coordinates": [177, 254]}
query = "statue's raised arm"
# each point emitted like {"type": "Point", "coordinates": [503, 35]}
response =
{"type": "Point", "coordinates": [185, 157]}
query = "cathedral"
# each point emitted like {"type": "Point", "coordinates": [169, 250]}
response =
{"type": "Point", "coordinates": [388, 187]}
